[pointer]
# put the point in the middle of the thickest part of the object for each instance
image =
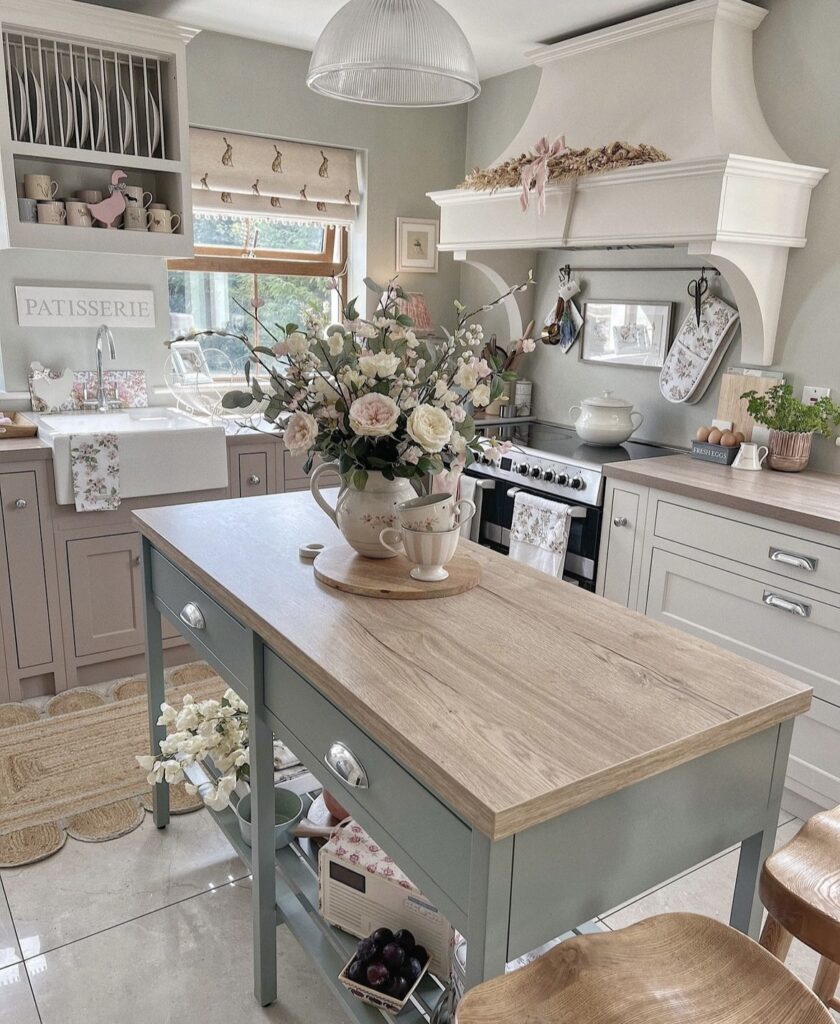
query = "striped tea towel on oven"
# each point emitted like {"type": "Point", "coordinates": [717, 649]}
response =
{"type": "Point", "coordinates": [539, 532]}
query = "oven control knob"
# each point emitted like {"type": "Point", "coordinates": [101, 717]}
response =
{"type": "Point", "coordinates": [549, 476]}
{"type": "Point", "coordinates": [536, 472]}
{"type": "Point", "coordinates": [523, 468]}
{"type": "Point", "coordinates": [577, 484]}
{"type": "Point", "coordinates": [562, 480]}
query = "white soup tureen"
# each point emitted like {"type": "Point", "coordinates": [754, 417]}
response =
{"type": "Point", "coordinates": [605, 420]}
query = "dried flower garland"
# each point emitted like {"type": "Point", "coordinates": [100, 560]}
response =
{"type": "Point", "coordinates": [562, 165]}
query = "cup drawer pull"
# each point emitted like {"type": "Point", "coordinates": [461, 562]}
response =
{"type": "Point", "coordinates": [192, 616]}
{"type": "Point", "coordinates": [342, 762]}
{"type": "Point", "coordinates": [786, 604]}
{"type": "Point", "coordinates": [797, 561]}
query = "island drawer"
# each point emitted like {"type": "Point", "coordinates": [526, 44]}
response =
{"type": "Point", "coordinates": [785, 554]}
{"type": "Point", "coordinates": [212, 631]}
{"type": "Point", "coordinates": [427, 830]}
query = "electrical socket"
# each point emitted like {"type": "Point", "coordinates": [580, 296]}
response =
{"type": "Point", "coordinates": [811, 395]}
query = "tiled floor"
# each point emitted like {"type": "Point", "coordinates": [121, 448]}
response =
{"type": "Point", "coordinates": [155, 927]}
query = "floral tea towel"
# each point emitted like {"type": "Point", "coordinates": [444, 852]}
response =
{"type": "Point", "coordinates": [697, 352]}
{"type": "Point", "coordinates": [539, 533]}
{"type": "Point", "coordinates": [95, 463]}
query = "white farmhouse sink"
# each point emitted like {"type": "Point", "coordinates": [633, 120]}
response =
{"type": "Point", "coordinates": [162, 451]}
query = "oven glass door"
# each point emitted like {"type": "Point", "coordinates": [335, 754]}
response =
{"type": "Point", "coordinates": [584, 535]}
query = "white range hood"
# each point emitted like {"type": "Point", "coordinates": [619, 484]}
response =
{"type": "Point", "coordinates": [680, 80]}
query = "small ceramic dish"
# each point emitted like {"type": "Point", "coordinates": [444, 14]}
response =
{"type": "Point", "coordinates": [288, 810]}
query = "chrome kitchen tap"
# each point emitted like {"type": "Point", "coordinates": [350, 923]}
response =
{"type": "Point", "coordinates": [103, 332]}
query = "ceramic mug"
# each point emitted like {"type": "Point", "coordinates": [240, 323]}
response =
{"type": "Point", "coordinates": [429, 552]}
{"type": "Point", "coordinates": [157, 206]}
{"type": "Point", "coordinates": [89, 195]}
{"type": "Point", "coordinates": [28, 211]}
{"type": "Point", "coordinates": [136, 197]}
{"type": "Point", "coordinates": [435, 512]}
{"type": "Point", "coordinates": [39, 186]}
{"type": "Point", "coordinates": [163, 220]}
{"type": "Point", "coordinates": [51, 213]}
{"type": "Point", "coordinates": [749, 456]}
{"type": "Point", "coordinates": [135, 218]}
{"type": "Point", "coordinates": [78, 214]}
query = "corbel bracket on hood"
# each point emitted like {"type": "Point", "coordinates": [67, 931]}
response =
{"type": "Point", "coordinates": [681, 80]}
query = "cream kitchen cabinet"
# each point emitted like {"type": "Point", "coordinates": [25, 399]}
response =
{"type": "Point", "coordinates": [767, 590]}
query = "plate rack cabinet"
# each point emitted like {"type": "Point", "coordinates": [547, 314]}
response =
{"type": "Point", "coordinates": [86, 91]}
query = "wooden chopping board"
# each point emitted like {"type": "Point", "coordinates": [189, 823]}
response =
{"type": "Point", "coordinates": [730, 404]}
{"type": "Point", "coordinates": [340, 567]}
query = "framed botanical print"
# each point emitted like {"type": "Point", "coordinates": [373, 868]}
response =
{"type": "Point", "coordinates": [417, 246]}
{"type": "Point", "coordinates": [626, 333]}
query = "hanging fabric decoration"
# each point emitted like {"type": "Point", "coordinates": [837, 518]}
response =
{"type": "Point", "coordinates": [253, 175]}
{"type": "Point", "coordinates": [563, 323]}
{"type": "Point", "coordinates": [535, 173]}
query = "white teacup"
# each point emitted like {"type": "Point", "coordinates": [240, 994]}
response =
{"type": "Point", "coordinates": [435, 512]}
{"type": "Point", "coordinates": [750, 456]}
{"type": "Point", "coordinates": [430, 551]}
{"type": "Point", "coordinates": [163, 220]}
{"type": "Point", "coordinates": [51, 213]}
{"type": "Point", "coordinates": [39, 186]}
{"type": "Point", "coordinates": [78, 214]}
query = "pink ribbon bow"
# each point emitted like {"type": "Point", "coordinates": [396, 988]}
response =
{"type": "Point", "coordinates": [535, 174]}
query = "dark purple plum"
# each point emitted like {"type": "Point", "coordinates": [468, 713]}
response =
{"type": "Point", "coordinates": [420, 953]}
{"type": "Point", "coordinates": [378, 975]}
{"type": "Point", "coordinates": [393, 956]}
{"type": "Point", "coordinates": [366, 950]}
{"type": "Point", "coordinates": [405, 939]}
{"type": "Point", "coordinates": [400, 988]}
{"type": "Point", "coordinates": [357, 971]}
{"type": "Point", "coordinates": [382, 936]}
{"type": "Point", "coordinates": [412, 969]}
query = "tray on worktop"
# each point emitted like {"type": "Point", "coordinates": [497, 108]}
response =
{"type": "Point", "coordinates": [341, 568]}
{"type": "Point", "coordinates": [19, 427]}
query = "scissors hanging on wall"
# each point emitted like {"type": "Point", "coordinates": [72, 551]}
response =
{"type": "Point", "coordinates": [696, 290]}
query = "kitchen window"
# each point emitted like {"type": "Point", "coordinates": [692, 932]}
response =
{"type": "Point", "coordinates": [288, 268]}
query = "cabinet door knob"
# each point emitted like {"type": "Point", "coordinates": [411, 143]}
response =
{"type": "Point", "coordinates": [254, 480]}
{"type": "Point", "coordinates": [21, 503]}
{"type": "Point", "coordinates": [192, 616]}
{"type": "Point", "coordinates": [620, 521]}
{"type": "Point", "coordinates": [342, 762]}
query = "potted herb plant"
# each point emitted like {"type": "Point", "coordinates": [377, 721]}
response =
{"type": "Point", "coordinates": [792, 424]}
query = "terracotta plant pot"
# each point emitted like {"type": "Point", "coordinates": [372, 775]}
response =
{"type": "Point", "coordinates": [789, 452]}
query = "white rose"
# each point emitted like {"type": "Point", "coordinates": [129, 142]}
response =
{"type": "Point", "coordinates": [335, 342]}
{"type": "Point", "coordinates": [300, 433]}
{"type": "Point", "coordinates": [297, 344]}
{"type": "Point", "coordinates": [325, 390]}
{"type": "Point", "coordinates": [365, 330]}
{"type": "Point", "coordinates": [481, 395]}
{"type": "Point", "coordinates": [431, 428]}
{"type": "Point", "coordinates": [374, 415]}
{"type": "Point", "coordinates": [467, 376]}
{"type": "Point", "coordinates": [381, 364]}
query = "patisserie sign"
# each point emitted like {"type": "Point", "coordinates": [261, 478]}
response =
{"type": "Point", "coordinates": [44, 306]}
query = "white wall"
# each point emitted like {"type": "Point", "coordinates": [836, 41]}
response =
{"type": "Point", "coordinates": [248, 86]}
{"type": "Point", "coordinates": [798, 79]}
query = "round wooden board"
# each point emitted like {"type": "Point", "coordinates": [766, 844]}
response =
{"type": "Point", "coordinates": [340, 567]}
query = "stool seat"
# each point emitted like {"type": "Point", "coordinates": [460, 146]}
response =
{"type": "Point", "coordinates": [671, 969]}
{"type": "Point", "coordinates": [800, 884]}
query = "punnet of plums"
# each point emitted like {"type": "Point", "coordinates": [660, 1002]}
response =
{"type": "Point", "coordinates": [388, 962]}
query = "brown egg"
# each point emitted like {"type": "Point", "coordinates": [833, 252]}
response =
{"type": "Point", "coordinates": [702, 434]}
{"type": "Point", "coordinates": [714, 436]}
{"type": "Point", "coordinates": [728, 439]}
{"type": "Point", "coordinates": [740, 437]}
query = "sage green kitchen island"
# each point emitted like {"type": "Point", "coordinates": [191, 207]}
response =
{"type": "Point", "coordinates": [529, 753]}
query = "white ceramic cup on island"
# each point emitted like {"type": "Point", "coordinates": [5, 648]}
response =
{"type": "Point", "coordinates": [435, 512]}
{"type": "Point", "coordinates": [430, 551]}
{"type": "Point", "coordinates": [750, 456]}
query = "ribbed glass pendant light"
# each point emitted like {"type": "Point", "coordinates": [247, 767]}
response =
{"type": "Point", "coordinates": [394, 53]}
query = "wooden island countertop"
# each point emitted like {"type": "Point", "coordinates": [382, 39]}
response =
{"type": "Point", "coordinates": [804, 499]}
{"type": "Point", "coordinates": [515, 702]}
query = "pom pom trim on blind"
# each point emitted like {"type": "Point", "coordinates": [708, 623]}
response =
{"type": "Point", "coordinates": [233, 173]}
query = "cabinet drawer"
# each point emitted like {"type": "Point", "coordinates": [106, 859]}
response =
{"type": "Point", "coordinates": [406, 810]}
{"type": "Point", "coordinates": [782, 553]}
{"type": "Point", "coordinates": [293, 467]}
{"type": "Point", "coordinates": [221, 638]}
{"type": "Point", "coordinates": [732, 610]}
{"type": "Point", "coordinates": [253, 474]}
{"type": "Point", "coordinates": [622, 524]}
{"type": "Point", "coordinates": [815, 751]}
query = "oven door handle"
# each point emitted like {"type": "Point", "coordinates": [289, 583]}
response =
{"type": "Point", "coordinates": [575, 511]}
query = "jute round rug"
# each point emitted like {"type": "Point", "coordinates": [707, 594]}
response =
{"type": "Point", "coordinates": [73, 772]}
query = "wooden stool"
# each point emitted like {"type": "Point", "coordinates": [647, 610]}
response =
{"type": "Point", "coordinates": [800, 886]}
{"type": "Point", "coordinates": [673, 969]}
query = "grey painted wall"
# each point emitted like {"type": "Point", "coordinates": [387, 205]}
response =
{"type": "Point", "coordinates": [250, 86]}
{"type": "Point", "coordinates": [798, 78]}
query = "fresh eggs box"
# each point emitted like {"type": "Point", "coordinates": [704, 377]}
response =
{"type": "Point", "coordinates": [361, 888]}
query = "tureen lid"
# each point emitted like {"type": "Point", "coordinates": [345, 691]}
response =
{"type": "Point", "coordinates": [606, 401]}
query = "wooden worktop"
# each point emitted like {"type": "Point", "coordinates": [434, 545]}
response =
{"type": "Point", "coordinates": [515, 702]}
{"type": "Point", "coordinates": [805, 499]}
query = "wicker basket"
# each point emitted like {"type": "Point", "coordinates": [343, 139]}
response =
{"type": "Point", "coordinates": [789, 452]}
